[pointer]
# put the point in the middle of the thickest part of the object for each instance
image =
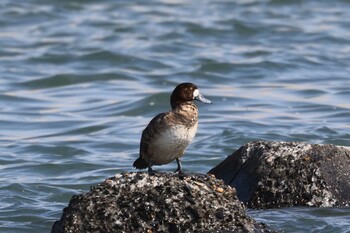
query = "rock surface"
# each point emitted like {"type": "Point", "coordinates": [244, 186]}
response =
{"type": "Point", "coordinates": [163, 202]}
{"type": "Point", "coordinates": [281, 174]}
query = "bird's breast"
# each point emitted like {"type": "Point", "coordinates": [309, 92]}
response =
{"type": "Point", "coordinates": [172, 142]}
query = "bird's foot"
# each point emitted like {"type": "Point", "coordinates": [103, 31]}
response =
{"type": "Point", "coordinates": [178, 171]}
{"type": "Point", "coordinates": [151, 171]}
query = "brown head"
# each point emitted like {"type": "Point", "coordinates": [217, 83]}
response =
{"type": "Point", "coordinates": [185, 92]}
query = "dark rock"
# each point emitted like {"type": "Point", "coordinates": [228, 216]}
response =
{"type": "Point", "coordinates": [282, 174]}
{"type": "Point", "coordinates": [139, 202]}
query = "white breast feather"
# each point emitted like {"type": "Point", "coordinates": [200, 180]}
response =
{"type": "Point", "coordinates": [172, 143]}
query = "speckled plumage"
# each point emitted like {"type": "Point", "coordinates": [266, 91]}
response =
{"type": "Point", "coordinates": [168, 134]}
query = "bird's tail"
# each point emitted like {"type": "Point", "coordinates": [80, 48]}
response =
{"type": "Point", "coordinates": [140, 163]}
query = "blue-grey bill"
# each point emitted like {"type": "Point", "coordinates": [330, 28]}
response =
{"type": "Point", "coordinates": [203, 99]}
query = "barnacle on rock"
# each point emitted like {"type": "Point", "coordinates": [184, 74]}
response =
{"type": "Point", "coordinates": [281, 174]}
{"type": "Point", "coordinates": [163, 202]}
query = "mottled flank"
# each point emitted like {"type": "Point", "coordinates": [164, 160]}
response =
{"type": "Point", "coordinates": [139, 202]}
{"type": "Point", "coordinates": [281, 174]}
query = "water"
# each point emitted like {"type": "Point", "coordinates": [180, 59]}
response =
{"type": "Point", "coordinates": [79, 80]}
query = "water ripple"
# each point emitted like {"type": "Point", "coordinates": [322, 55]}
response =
{"type": "Point", "coordinates": [79, 82]}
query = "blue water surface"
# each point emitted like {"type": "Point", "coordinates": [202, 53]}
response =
{"type": "Point", "coordinates": [79, 80]}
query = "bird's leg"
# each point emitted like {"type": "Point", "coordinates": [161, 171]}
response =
{"type": "Point", "coordinates": [179, 166]}
{"type": "Point", "coordinates": [150, 169]}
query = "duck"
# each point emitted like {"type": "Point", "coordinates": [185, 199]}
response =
{"type": "Point", "coordinates": [168, 134]}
